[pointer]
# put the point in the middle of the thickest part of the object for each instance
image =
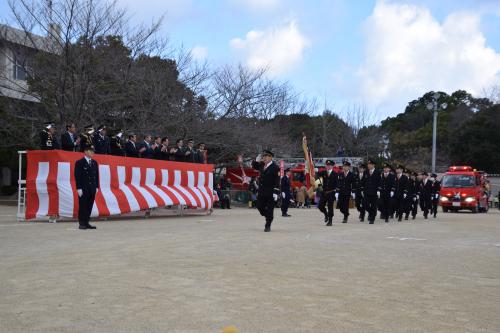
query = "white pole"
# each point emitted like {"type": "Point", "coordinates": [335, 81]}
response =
{"type": "Point", "coordinates": [434, 134]}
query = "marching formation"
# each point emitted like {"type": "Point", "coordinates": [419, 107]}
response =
{"type": "Point", "coordinates": [394, 192]}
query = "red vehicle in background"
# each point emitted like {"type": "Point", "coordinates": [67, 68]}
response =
{"type": "Point", "coordinates": [463, 187]}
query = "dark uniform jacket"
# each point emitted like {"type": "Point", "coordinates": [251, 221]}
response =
{"type": "Point", "coordinates": [371, 183]}
{"type": "Point", "coordinates": [68, 142]}
{"type": "Point", "coordinates": [387, 184]}
{"type": "Point", "coordinates": [330, 182]}
{"type": "Point", "coordinates": [426, 190]}
{"type": "Point", "coordinates": [413, 187]}
{"type": "Point", "coordinates": [180, 154]}
{"type": "Point", "coordinates": [131, 149]}
{"type": "Point", "coordinates": [48, 141]}
{"type": "Point", "coordinates": [401, 186]}
{"type": "Point", "coordinates": [346, 184]}
{"type": "Point", "coordinates": [101, 143]}
{"type": "Point", "coordinates": [115, 146]}
{"type": "Point", "coordinates": [192, 157]}
{"type": "Point", "coordinates": [269, 179]}
{"type": "Point", "coordinates": [86, 176]}
{"type": "Point", "coordinates": [436, 187]}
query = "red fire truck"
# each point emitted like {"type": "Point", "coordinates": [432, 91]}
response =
{"type": "Point", "coordinates": [463, 187]}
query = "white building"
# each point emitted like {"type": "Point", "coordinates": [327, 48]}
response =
{"type": "Point", "coordinates": [17, 51]}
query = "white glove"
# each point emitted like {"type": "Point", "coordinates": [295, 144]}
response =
{"type": "Point", "coordinates": [392, 194]}
{"type": "Point", "coordinates": [378, 194]}
{"type": "Point", "coordinates": [283, 195]}
{"type": "Point", "coordinates": [404, 195]}
{"type": "Point", "coordinates": [80, 192]}
{"type": "Point", "coordinates": [258, 158]}
{"type": "Point", "coordinates": [336, 196]}
{"type": "Point", "coordinates": [275, 197]}
{"type": "Point", "coordinates": [418, 197]}
{"type": "Point", "coordinates": [437, 196]}
{"type": "Point", "coordinates": [354, 196]}
{"type": "Point", "coordinates": [414, 199]}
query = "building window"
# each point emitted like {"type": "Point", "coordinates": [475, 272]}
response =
{"type": "Point", "coordinates": [21, 69]}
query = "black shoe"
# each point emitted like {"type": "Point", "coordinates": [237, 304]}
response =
{"type": "Point", "coordinates": [413, 217]}
{"type": "Point", "coordinates": [406, 218]}
{"type": "Point", "coordinates": [91, 226]}
{"type": "Point", "coordinates": [83, 227]}
{"type": "Point", "coordinates": [362, 219]}
{"type": "Point", "coordinates": [286, 215]}
{"type": "Point", "coordinates": [400, 219]}
{"type": "Point", "coordinates": [344, 221]}
{"type": "Point", "coordinates": [434, 215]}
{"type": "Point", "coordinates": [371, 222]}
{"type": "Point", "coordinates": [386, 220]}
{"type": "Point", "coordinates": [326, 218]}
{"type": "Point", "coordinates": [329, 224]}
{"type": "Point", "coordinates": [267, 229]}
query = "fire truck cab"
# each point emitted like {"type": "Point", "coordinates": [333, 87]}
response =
{"type": "Point", "coordinates": [463, 187]}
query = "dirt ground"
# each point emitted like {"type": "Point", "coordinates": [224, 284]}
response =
{"type": "Point", "coordinates": [204, 273]}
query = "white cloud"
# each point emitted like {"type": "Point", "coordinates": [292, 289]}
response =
{"type": "Point", "coordinates": [199, 52]}
{"type": "Point", "coordinates": [280, 49]}
{"type": "Point", "coordinates": [258, 4]}
{"type": "Point", "coordinates": [408, 52]}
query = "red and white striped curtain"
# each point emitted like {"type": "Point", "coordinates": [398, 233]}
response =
{"type": "Point", "coordinates": [126, 184]}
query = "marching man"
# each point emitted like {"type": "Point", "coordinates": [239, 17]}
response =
{"type": "Point", "coordinates": [328, 195]}
{"type": "Point", "coordinates": [345, 189]}
{"type": "Point", "coordinates": [87, 184]}
{"type": "Point", "coordinates": [269, 186]}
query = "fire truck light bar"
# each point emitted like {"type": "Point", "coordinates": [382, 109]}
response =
{"type": "Point", "coordinates": [460, 168]}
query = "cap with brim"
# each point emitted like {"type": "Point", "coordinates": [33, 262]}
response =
{"type": "Point", "coordinates": [102, 127]}
{"type": "Point", "coordinates": [267, 152]}
{"type": "Point", "coordinates": [329, 162]}
{"type": "Point", "coordinates": [387, 165]}
{"type": "Point", "coordinates": [48, 124]}
{"type": "Point", "coordinates": [370, 161]}
{"type": "Point", "coordinates": [399, 166]}
{"type": "Point", "coordinates": [362, 165]}
{"type": "Point", "coordinates": [346, 163]}
{"type": "Point", "coordinates": [434, 175]}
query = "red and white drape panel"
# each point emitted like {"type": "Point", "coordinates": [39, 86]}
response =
{"type": "Point", "coordinates": [125, 184]}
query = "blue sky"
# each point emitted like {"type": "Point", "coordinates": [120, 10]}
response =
{"type": "Point", "coordinates": [380, 54]}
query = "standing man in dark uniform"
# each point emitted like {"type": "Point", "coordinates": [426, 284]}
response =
{"type": "Point", "coordinates": [69, 140]}
{"type": "Point", "coordinates": [48, 140]}
{"type": "Point", "coordinates": [131, 146]}
{"type": "Point", "coordinates": [358, 198]}
{"type": "Point", "coordinates": [425, 194]}
{"type": "Point", "coordinates": [87, 184]}
{"type": "Point", "coordinates": [436, 187]}
{"type": "Point", "coordinates": [401, 185]}
{"type": "Point", "coordinates": [286, 193]}
{"type": "Point", "coordinates": [144, 147]}
{"type": "Point", "coordinates": [179, 151]}
{"type": "Point", "coordinates": [387, 183]}
{"type": "Point", "coordinates": [115, 143]}
{"type": "Point", "coordinates": [371, 190]}
{"type": "Point", "coordinates": [330, 184]}
{"type": "Point", "coordinates": [101, 141]}
{"type": "Point", "coordinates": [269, 186]}
{"type": "Point", "coordinates": [345, 189]}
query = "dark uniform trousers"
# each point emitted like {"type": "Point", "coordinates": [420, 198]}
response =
{"type": "Point", "coordinates": [325, 204]}
{"type": "Point", "coordinates": [265, 205]}
{"type": "Point", "coordinates": [359, 201]}
{"type": "Point", "coordinates": [343, 204]}
{"type": "Point", "coordinates": [87, 179]}
{"type": "Point", "coordinates": [412, 206]}
{"type": "Point", "coordinates": [370, 201]}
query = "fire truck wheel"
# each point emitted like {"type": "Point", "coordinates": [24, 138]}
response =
{"type": "Point", "coordinates": [474, 210]}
